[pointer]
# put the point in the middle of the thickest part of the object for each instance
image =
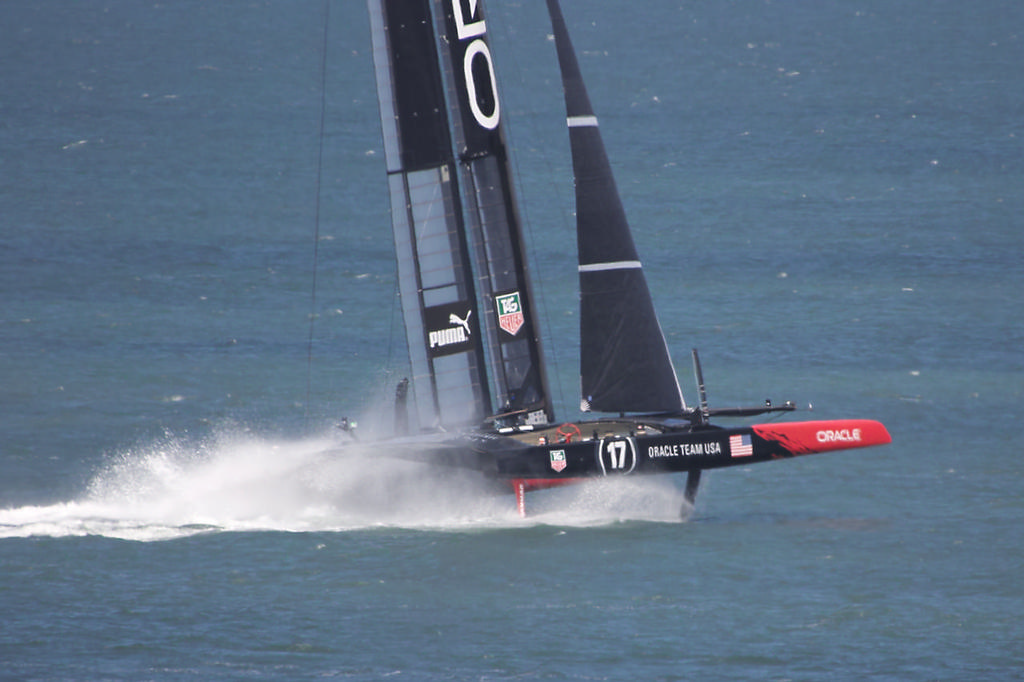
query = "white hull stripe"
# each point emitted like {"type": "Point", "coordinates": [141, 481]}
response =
{"type": "Point", "coordinates": [582, 121]}
{"type": "Point", "coordinates": [615, 265]}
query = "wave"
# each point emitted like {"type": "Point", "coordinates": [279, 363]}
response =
{"type": "Point", "coordinates": [239, 482]}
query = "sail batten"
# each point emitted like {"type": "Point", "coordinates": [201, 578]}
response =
{"type": "Point", "coordinates": [613, 265]}
{"type": "Point", "coordinates": [624, 361]}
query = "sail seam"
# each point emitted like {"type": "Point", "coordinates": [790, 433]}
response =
{"type": "Point", "coordinates": [611, 265]}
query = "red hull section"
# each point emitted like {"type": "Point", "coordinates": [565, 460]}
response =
{"type": "Point", "coordinates": [805, 438]}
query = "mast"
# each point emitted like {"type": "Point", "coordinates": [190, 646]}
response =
{"type": "Point", "coordinates": [624, 362]}
{"type": "Point", "coordinates": [509, 315]}
{"type": "Point", "coordinates": [439, 303]}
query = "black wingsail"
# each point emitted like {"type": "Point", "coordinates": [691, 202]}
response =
{"type": "Point", "coordinates": [509, 315]}
{"type": "Point", "coordinates": [465, 309]}
{"type": "Point", "coordinates": [624, 362]}
{"type": "Point", "coordinates": [439, 302]}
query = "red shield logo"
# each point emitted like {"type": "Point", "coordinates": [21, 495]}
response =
{"type": "Point", "coordinates": [558, 462]}
{"type": "Point", "coordinates": [510, 312]}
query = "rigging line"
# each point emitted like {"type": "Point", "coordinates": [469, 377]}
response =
{"type": "Point", "coordinates": [316, 215]}
{"type": "Point", "coordinates": [388, 369]}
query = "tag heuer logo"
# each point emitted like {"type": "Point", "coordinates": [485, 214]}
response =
{"type": "Point", "coordinates": [558, 460]}
{"type": "Point", "coordinates": [510, 312]}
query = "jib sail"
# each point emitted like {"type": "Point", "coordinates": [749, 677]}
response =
{"type": "Point", "coordinates": [624, 362]}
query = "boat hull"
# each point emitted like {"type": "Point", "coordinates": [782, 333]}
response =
{"type": "Point", "coordinates": [525, 460]}
{"type": "Point", "coordinates": [639, 452]}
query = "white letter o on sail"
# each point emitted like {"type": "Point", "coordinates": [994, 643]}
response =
{"type": "Point", "coordinates": [479, 47]}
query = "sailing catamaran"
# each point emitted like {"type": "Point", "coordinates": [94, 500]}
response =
{"type": "Point", "coordinates": [479, 395]}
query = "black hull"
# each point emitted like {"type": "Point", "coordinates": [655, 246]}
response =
{"type": "Point", "coordinates": [571, 453]}
{"type": "Point", "coordinates": [599, 451]}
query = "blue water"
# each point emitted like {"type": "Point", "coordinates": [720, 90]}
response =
{"type": "Point", "coordinates": [827, 198]}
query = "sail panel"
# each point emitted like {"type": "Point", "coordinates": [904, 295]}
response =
{"type": "Point", "coordinates": [629, 345]}
{"type": "Point", "coordinates": [624, 362]}
{"type": "Point", "coordinates": [458, 401]}
{"type": "Point", "coordinates": [437, 243]}
{"type": "Point", "coordinates": [471, 80]}
{"type": "Point", "coordinates": [603, 234]}
{"type": "Point", "coordinates": [415, 93]}
{"type": "Point", "coordinates": [489, 200]}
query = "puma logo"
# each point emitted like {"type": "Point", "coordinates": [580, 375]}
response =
{"type": "Point", "coordinates": [455, 319]}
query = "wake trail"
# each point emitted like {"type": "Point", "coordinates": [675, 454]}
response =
{"type": "Point", "coordinates": [239, 482]}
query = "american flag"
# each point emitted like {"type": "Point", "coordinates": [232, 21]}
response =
{"type": "Point", "coordinates": [740, 446]}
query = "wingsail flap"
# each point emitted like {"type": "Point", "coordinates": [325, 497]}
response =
{"type": "Point", "coordinates": [624, 362]}
{"type": "Point", "coordinates": [506, 296]}
{"type": "Point", "coordinates": [439, 302]}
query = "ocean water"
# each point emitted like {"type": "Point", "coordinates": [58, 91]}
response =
{"type": "Point", "coordinates": [827, 198]}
